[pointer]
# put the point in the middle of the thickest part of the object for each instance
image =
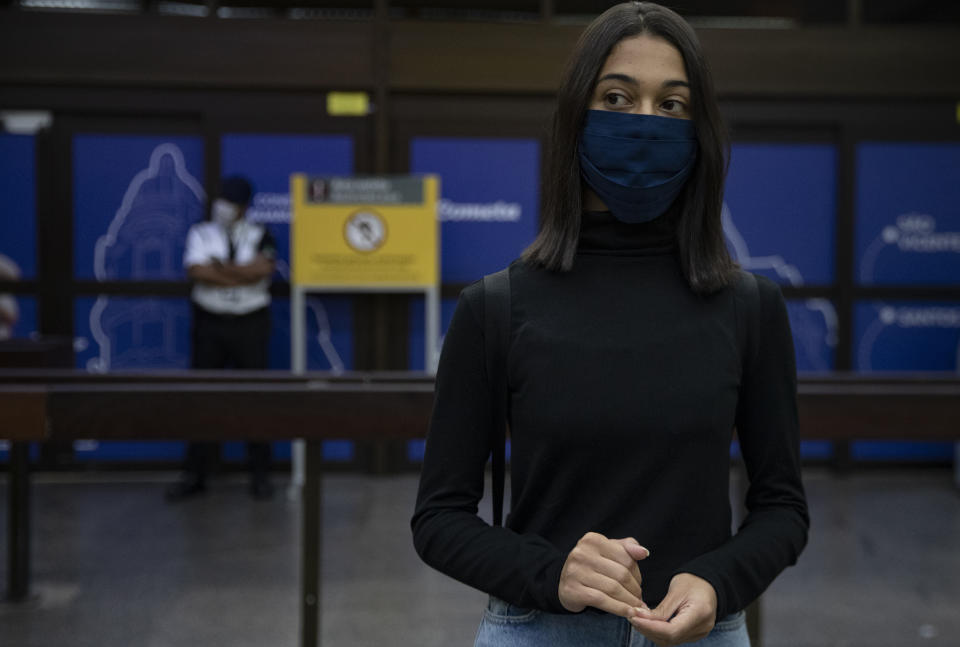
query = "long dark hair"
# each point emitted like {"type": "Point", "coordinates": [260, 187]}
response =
{"type": "Point", "coordinates": [706, 263]}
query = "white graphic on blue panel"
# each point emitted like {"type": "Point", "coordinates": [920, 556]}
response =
{"type": "Point", "coordinates": [138, 333]}
{"type": "Point", "coordinates": [911, 233]}
{"type": "Point", "coordinates": [143, 241]}
{"type": "Point", "coordinates": [904, 318]}
{"type": "Point", "coordinates": [324, 329]}
{"type": "Point", "coordinates": [741, 252]}
{"type": "Point", "coordinates": [146, 235]}
{"type": "Point", "coordinates": [275, 208]}
{"type": "Point", "coordinates": [325, 335]}
{"type": "Point", "coordinates": [815, 324]}
{"type": "Point", "coordinates": [269, 208]}
{"type": "Point", "coordinates": [499, 211]}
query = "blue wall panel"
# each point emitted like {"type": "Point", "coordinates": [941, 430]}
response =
{"type": "Point", "coordinates": [906, 336]}
{"type": "Point", "coordinates": [134, 198]}
{"type": "Point", "coordinates": [490, 200]}
{"type": "Point", "coordinates": [780, 209]}
{"type": "Point", "coordinates": [18, 213]}
{"type": "Point", "coordinates": [907, 219]}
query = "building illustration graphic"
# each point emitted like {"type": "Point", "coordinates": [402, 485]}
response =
{"type": "Point", "coordinates": [144, 242]}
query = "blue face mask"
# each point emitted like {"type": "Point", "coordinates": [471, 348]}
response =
{"type": "Point", "coordinates": [637, 164]}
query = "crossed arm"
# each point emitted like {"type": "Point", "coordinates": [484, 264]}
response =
{"type": "Point", "coordinates": [231, 274]}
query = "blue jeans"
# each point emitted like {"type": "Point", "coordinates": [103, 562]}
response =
{"type": "Point", "coordinates": [506, 625]}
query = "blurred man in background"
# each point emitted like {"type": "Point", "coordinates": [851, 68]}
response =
{"type": "Point", "coordinates": [230, 261]}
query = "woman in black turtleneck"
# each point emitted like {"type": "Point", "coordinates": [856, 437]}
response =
{"type": "Point", "coordinates": [626, 378]}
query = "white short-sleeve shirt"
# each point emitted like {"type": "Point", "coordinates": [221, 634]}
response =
{"type": "Point", "coordinates": [208, 242]}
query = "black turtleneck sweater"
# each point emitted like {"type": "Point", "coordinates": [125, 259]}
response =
{"type": "Point", "coordinates": [625, 388]}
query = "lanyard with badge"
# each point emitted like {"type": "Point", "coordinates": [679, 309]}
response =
{"type": "Point", "coordinates": [231, 294]}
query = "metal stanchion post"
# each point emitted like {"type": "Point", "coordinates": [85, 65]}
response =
{"type": "Point", "coordinates": [18, 524]}
{"type": "Point", "coordinates": [311, 547]}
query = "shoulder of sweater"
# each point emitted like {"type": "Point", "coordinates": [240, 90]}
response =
{"type": "Point", "coordinates": [766, 285]}
{"type": "Point", "coordinates": [770, 291]}
{"type": "Point", "coordinates": [473, 294]}
{"type": "Point", "coordinates": [773, 307]}
{"type": "Point", "coordinates": [472, 297]}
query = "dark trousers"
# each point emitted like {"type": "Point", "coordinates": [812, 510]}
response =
{"type": "Point", "coordinates": [238, 342]}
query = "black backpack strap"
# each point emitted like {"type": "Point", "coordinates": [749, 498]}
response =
{"type": "Point", "coordinates": [496, 328]}
{"type": "Point", "coordinates": [748, 294]}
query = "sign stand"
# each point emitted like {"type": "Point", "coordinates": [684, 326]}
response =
{"type": "Point", "coordinates": [298, 350]}
{"type": "Point", "coordinates": [349, 235]}
{"type": "Point", "coordinates": [298, 332]}
{"type": "Point", "coordinates": [375, 234]}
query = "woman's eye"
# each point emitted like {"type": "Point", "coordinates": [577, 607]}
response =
{"type": "Point", "coordinates": [614, 99]}
{"type": "Point", "coordinates": [672, 105]}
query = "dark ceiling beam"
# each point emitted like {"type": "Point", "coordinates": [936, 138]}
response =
{"type": "Point", "coordinates": [479, 57]}
{"type": "Point", "coordinates": [835, 62]}
{"type": "Point", "coordinates": [150, 50]}
{"type": "Point", "coordinates": [822, 62]}
{"type": "Point", "coordinates": [427, 56]}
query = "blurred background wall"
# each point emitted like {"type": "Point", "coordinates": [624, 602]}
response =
{"type": "Point", "coordinates": [120, 116]}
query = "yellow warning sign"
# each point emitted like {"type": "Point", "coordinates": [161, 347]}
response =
{"type": "Point", "coordinates": [364, 232]}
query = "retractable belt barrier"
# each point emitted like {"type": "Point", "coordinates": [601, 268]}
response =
{"type": "Point", "coordinates": [37, 405]}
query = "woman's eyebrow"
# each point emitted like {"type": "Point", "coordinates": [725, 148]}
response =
{"type": "Point", "coordinates": [626, 78]}
{"type": "Point", "coordinates": [618, 77]}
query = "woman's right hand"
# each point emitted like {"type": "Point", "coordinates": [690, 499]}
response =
{"type": "Point", "coordinates": [603, 573]}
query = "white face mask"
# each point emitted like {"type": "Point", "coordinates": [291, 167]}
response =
{"type": "Point", "coordinates": [224, 213]}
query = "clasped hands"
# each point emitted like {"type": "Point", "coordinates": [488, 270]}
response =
{"type": "Point", "coordinates": [603, 573]}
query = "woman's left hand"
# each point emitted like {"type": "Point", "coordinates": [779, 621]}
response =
{"type": "Point", "coordinates": [687, 613]}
